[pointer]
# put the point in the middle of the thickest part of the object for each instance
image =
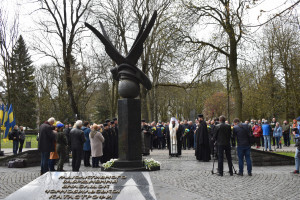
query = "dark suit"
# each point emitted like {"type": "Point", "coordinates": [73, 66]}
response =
{"type": "Point", "coordinates": [77, 141]}
{"type": "Point", "coordinates": [222, 136]}
{"type": "Point", "coordinates": [45, 145]}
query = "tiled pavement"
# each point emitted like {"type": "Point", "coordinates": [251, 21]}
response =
{"type": "Point", "coordinates": [185, 178]}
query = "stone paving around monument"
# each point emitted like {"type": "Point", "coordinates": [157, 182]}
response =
{"type": "Point", "coordinates": [186, 178]}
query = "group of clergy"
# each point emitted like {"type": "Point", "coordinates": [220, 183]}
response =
{"type": "Point", "coordinates": [174, 133]}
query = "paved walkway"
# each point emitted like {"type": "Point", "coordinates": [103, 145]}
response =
{"type": "Point", "coordinates": [185, 178]}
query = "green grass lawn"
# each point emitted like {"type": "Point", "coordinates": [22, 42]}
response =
{"type": "Point", "coordinates": [291, 154]}
{"type": "Point", "coordinates": [9, 143]}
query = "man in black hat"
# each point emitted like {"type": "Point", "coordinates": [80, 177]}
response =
{"type": "Point", "coordinates": [107, 149]}
{"type": "Point", "coordinates": [202, 148]}
{"type": "Point", "coordinates": [107, 121]}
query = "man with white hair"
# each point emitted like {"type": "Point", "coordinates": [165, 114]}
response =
{"type": "Point", "coordinates": [46, 143]}
{"type": "Point", "coordinates": [77, 141]}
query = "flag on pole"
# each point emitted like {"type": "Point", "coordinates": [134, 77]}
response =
{"type": "Point", "coordinates": [10, 121]}
{"type": "Point", "coordinates": [1, 114]}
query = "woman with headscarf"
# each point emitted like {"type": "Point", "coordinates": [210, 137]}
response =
{"type": "Point", "coordinates": [173, 137]}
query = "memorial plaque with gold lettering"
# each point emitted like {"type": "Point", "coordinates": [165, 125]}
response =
{"type": "Point", "coordinates": [88, 185]}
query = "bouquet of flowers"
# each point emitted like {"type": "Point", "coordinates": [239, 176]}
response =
{"type": "Point", "coordinates": [109, 164]}
{"type": "Point", "coordinates": [186, 131]}
{"type": "Point", "coordinates": [150, 163]}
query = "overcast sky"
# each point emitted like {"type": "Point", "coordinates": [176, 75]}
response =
{"type": "Point", "coordinates": [27, 25]}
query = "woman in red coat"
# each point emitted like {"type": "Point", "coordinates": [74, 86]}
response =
{"type": "Point", "coordinates": [257, 134]}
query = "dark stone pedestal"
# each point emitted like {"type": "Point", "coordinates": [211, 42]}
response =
{"type": "Point", "coordinates": [130, 149]}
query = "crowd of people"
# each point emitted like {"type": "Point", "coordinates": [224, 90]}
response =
{"type": "Point", "coordinates": [213, 137]}
{"type": "Point", "coordinates": [210, 139]}
{"type": "Point", "coordinates": [82, 140]}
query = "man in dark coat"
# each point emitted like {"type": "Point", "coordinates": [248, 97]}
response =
{"type": "Point", "coordinates": [46, 143]}
{"type": "Point", "coordinates": [16, 137]}
{"type": "Point", "coordinates": [107, 146]}
{"type": "Point", "coordinates": [179, 135]}
{"type": "Point", "coordinates": [146, 138]}
{"type": "Point", "coordinates": [77, 141]}
{"type": "Point", "coordinates": [116, 137]}
{"type": "Point", "coordinates": [202, 150]}
{"type": "Point", "coordinates": [222, 136]}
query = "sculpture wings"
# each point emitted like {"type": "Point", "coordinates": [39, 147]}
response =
{"type": "Point", "coordinates": [126, 66]}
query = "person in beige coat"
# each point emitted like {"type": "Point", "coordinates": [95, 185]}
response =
{"type": "Point", "coordinates": [97, 140]}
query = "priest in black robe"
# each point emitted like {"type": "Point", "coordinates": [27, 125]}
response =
{"type": "Point", "coordinates": [202, 150]}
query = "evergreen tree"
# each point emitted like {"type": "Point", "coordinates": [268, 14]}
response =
{"type": "Point", "coordinates": [23, 87]}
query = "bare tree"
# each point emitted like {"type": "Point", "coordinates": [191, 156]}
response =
{"type": "Point", "coordinates": [8, 38]}
{"type": "Point", "coordinates": [64, 24]}
{"type": "Point", "coordinates": [228, 18]}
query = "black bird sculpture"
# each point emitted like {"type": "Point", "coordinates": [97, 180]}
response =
{"type": "Point", "coordinates": [128, 75]}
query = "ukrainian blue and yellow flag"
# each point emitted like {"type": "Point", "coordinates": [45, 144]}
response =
{"type": "Point", "coordinates": [10, 121]}
{"type": "Point", "coordinates": [1, 114]}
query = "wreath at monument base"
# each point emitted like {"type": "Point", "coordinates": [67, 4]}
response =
{"type": "Point", "coordinates": [149, 164]}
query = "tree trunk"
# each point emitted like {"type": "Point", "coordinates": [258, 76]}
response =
{"type": "Point", "coordinates": [237, 91]}
{"type": "Point", "coordinates": [70, 90]}
{"type": "Point", "coordinates": [144, 110]}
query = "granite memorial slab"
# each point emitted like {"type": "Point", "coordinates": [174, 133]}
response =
{"type": "Point", "coordinates": [88, 185]}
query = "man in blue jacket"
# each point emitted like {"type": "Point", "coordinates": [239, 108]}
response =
{"type": "Point", "coordinates": [242, 134]}
{"type": "Point", "coordinates": [266, 128]}
{"type": "Point", "coordinates": [87, 145]}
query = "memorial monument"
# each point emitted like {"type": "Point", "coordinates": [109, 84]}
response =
{"type": "Point", "coordinates": [129, 108]}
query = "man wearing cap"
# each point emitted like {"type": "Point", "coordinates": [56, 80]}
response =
{"type": "Point", "coordinates": [146, 138]}
{"type": "Point", "coordinates": [61, 147]}
{"type": "Point", "coordinates": [202, 151]}
{"type": "Point", "coordinates": [108, 122]}
{"type": "Point", "coordinates": [107, 148]}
